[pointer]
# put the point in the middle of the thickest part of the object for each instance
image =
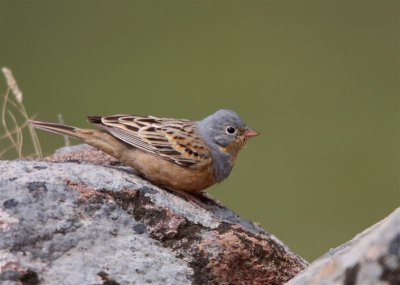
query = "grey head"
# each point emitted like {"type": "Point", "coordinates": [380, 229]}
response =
{"type": "Point", "coordinates": [225, 133]}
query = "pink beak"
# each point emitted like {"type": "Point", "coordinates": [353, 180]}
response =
{"type": "Point", "coordinates": [250, 133]}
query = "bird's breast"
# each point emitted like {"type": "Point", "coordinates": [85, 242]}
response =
{"type": "Point", "coordinates": [168, 174]}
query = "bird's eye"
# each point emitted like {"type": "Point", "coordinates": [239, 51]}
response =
{"type": "Point", "coordinates": [230, 130]}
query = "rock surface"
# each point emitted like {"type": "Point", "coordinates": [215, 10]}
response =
{"type": "Point", "coordinates": [370, 258]}
{"type": "Point", "coordinates": [80, 218]}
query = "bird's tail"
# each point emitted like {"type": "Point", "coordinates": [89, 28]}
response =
{"type": "Point", "coordinates": [58, 129]}
{"type": "Point", "coordinates": [96, 138]}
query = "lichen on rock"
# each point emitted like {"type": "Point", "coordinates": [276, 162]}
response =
{"type": "Point", "coordinates": [78, 217]}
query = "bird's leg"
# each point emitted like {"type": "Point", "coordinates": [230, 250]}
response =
{"type": "Point", "coordinates": [195, 198]}
{"type": "Point", "coordinates": [206, 196]}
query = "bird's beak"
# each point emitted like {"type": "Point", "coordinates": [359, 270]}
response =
{"type": "Point", "coordinates": [248, 133]}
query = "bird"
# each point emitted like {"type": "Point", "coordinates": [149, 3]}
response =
{"type": "Point", "coordinates": [177, 154]}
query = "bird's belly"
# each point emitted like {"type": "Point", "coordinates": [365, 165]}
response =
{"type": "Point", "coordinates": [170, 175]}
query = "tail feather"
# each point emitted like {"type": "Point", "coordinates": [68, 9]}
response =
{"type": "Point", "coordinates": [96, 138]}
{"type": "Point", "coordinates": [56, 128]}
{"type": "Point", "coordinates": [94, 119]}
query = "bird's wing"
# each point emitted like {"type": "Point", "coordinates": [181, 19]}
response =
{"type": "Point", "coordinates": [170, 139]}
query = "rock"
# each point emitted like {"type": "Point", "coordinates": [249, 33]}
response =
{"type": "Point", "coordinates": [370, 258]}
{"type": "Point", "coordinates": [80, 218]}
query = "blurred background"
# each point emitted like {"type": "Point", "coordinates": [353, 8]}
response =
{"type": "Point", "coordinates": [318, 79]}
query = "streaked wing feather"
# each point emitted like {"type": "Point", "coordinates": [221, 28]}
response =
{"type": "Point", "coordinates": [128, 138]}
{"type": "Point", "coordinates": [170, 139]}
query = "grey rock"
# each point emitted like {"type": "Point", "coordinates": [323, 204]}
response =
{"type": "Point", "coordinates": [81, 218]}
{"type": "Point", "coordinates": [370, 258]}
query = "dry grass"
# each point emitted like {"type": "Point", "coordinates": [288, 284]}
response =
{"type": "Point", "coordinates": [13, 119]}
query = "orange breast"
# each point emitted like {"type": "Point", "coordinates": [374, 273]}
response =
{"type": "Point", "coordinates": [155, 169]}
{"type": "Point", "coordinates": [170, 175]}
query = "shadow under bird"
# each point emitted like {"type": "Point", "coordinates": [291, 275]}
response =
{"type": "Point", "coordinates": [177, 154]}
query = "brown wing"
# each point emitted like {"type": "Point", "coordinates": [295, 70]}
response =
{"type": "Point", "coordinates": [170, 139]}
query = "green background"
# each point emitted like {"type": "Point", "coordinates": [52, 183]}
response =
{"type": "Point", "coordinates": [318, 79]}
